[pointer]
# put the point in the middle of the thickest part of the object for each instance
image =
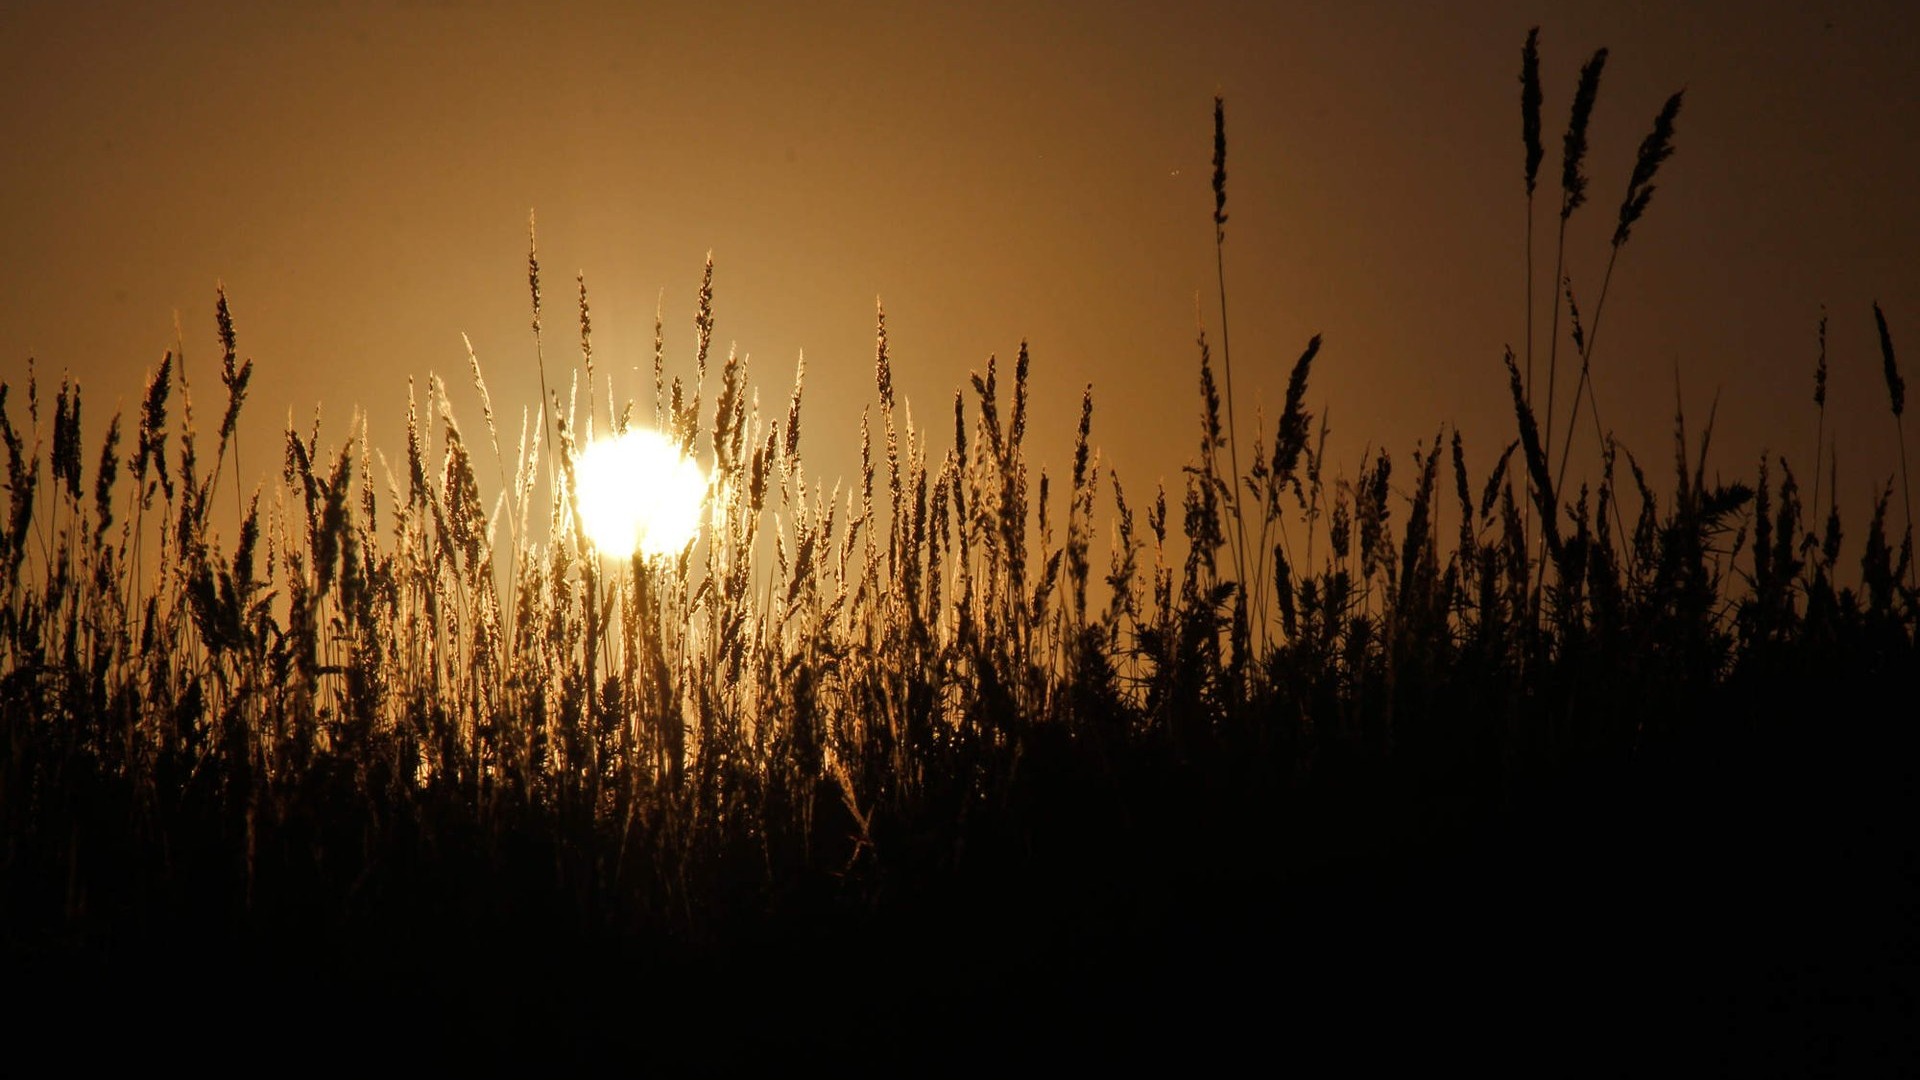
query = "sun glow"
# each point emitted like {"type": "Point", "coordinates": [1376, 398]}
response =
{"type": "Point", "coordinates": [639, 494]}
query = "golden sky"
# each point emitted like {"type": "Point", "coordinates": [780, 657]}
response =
{"type": "Point", "coordinates": [359, 174]}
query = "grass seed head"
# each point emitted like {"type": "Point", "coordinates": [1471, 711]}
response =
{"type": "Point", "coordinates": [1820, 370]}
{"type": "Point", "coordinates": [1530, 106]}
{"type": "Point", "coordinates": [1896, 386]}
{"type": "Point", "coordinates": [1573, 182]}
{"type": "Point", "coordinates": [1656, 148]}
{"type": "Point", "coordinates": [1219, 169]}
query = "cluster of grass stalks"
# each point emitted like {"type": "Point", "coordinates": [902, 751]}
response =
{"type": "Point", "coordinates": [384, 695]}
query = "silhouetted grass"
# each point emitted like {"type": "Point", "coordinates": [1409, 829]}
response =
{"type": "Point", "coordinates": [883, 728]}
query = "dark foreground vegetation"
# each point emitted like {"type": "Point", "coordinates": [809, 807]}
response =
{"type": "Point", "coordinates": [1426, 764]}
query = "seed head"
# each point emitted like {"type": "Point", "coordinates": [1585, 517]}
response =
{"type": "Point", "coordinates": [1573, 184]}
{"type": "Point", "coordinates": [1896, 386]}
{"type": "Point", "coordinates": [1530, 105]}
{"type": "Point", "coordinates": [1219, 169]}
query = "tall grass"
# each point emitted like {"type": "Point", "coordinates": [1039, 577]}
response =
{"type": "Point", "coordinates": [1897, 398]}
{"type": "Point", "coordinates": [373, 692]}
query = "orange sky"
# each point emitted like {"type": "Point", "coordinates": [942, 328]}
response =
{"type": "Point", "coordinates": [360, 173]}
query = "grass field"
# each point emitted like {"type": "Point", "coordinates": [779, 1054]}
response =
{"type": "Point", "coordinates": [962, 763]}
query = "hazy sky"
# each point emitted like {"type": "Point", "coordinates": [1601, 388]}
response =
{"type": "Point", "coordinates": [360, 174]}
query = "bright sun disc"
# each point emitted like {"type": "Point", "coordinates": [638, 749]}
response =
{"type": "Point", "coordinates": [639, 494]}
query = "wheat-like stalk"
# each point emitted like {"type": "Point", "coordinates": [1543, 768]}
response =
{"type": "Point", "coordinates": [1530, 101]}
{"type": "Point", "coordinates": [1232, 488]}
{"type": "Point", "coordinates": [1655, 149]}
{"type": "Point", "coordinates": [1573, 194]}
{"type": "Point", "coordinates": [1820, 406]}
{"type": "Point", "coordinates": [1897, 398]}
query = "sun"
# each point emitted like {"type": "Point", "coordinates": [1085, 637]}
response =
{"type": "Point", "coordinates": [639, 495]}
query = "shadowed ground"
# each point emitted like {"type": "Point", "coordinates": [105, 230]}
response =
{"type": "Point", "coordinates": [1743, 907]}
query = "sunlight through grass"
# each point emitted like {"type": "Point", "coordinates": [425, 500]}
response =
{"type": "Point", "coordinates": [639, 494]}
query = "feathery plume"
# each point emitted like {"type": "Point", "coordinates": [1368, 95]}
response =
{"type": "Point", "coordinates": [1573, 183]}
{"type": "Point", "coordinates": [1820, 372]}
{"type": "Point", "coordinates": [235, 379]}
{"type": "Point", "coordinates": [1530, 106]}
{"type": "Point", "coordinates": [793, 412]}
{"type": "Point", "coordinates": [1219, 169]}
{"type": "Point", "coordinates": [659, 359]}
{"type": "Point", "coordinates": [153, 430]}
{"type": "Point", "coordinates": [1573, 317]}
{"type": "Point", "coordinates": [1896, 386]}
{"type": "Point", "coordinates": [533, 270]}
{"type": "Point", "coordinates": [1654, 149]}
{"type": "Point", "coordinates": [539, 352]}
{"type": "Point", "coordinates": [1536, 458]}
{"type": "Point", "coordinates": [1897, 393]}
{"type": "Point", "coordinates": [586, 354]}
{"type": "Point", "coordinates": [703, 321]}
{"type": "Point", "coordinates": [882, 364]}
{"type": "Point", "coordinates": [66, 439]}
{"type": "Point", "coordinates": [1291, 438]}
{"type": "Point", "coordinates": [103, 478]}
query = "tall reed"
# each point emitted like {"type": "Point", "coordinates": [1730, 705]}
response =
{"type": "Point", "coordinates": [1897, 398]}
{"type": "Point", "coordinates": [1655, 149]}
{"type": "Point", "coordinates": [1573, 195]}
{"type": "Point", "coordinates": [1530, 101]}
{"type": "Point", "coordinates": [1240, 565]}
